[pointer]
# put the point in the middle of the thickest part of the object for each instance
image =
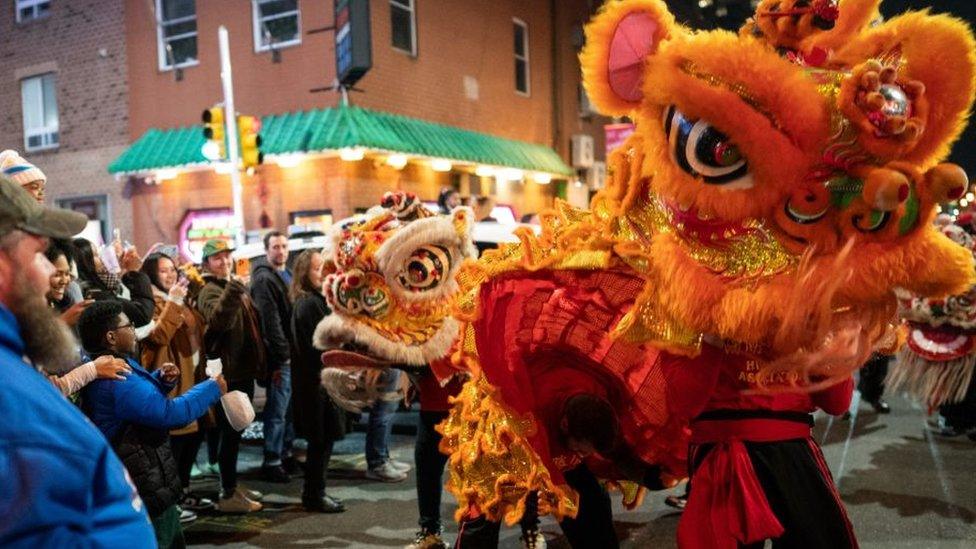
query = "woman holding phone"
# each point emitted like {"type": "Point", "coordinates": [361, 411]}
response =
{"type": "Point", "coordinates": [132, 288]}
{"type": "Point", "coordinates": [177, 337]}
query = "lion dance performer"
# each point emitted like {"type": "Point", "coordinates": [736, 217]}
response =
{"type": "Point", "coordinates": [738, 267]}
{"type": "Point", "coordinates": [936, 364]}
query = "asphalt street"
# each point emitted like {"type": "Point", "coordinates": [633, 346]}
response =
{"type": "Point", "coordinates": [903, 486]}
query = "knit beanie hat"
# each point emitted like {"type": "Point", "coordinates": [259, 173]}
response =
{"type": "Point", "coordinates": [19, 170]}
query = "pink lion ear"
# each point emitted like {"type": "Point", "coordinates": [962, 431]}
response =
{"type": "Point", "coordinates": [618, 42]}
{"type": "Point", "coordinates": [633, 40]}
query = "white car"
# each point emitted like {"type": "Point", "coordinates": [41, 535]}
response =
{"type": "Point", "coordinates": [254, 251]}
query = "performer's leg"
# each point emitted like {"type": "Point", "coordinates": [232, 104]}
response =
{"type": "Point", "coordinates": [961, 416]}
{"type": "Point", "coordinates": [593, 525]}
{"type": "Point", "coordinates": [871, 382]}
{"type": "Point", "coordinates": [429, 462]}
{"type": "Point", "coordinates": [801, 493]}
{"type": "Point", "coordinates": [530, 520]}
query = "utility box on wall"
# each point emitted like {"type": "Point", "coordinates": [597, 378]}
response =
{"type": "Point", "coordinates": [582, 150]}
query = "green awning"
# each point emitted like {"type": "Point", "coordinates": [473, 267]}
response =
{"type": "Point", "coordinates": [341, 127]}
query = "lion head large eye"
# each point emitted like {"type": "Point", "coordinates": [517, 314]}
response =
{"type": "Point", "coordinates": [703, 151]}
{"type": "Point", "coordinates": [425, 269]}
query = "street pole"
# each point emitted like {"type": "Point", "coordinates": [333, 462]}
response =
{"type": "Point", "coordinates": [230, 118]}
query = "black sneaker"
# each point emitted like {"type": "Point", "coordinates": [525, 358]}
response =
{"type": "Point", "coordinates": [678, 502]}
{"type": "Point", "coordinates": [324, 504]}
{"type": "Point", "coordinates": [275, 473]}
{"type": "Point", "coordinates": [197, 503]}
{"type": "Point", "coordinates": [945, 429]}
{"type": "Point", "coordinates": [880, 406]}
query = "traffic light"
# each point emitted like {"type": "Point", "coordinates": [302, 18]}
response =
{"type": "Point", "coordinates": [213, 132]}
{"type": "Point", "coordinates": [247, 129]}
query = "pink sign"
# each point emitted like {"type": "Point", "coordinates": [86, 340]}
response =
{"type": "Point", "coordinates": [199, 226]}
{"type": "Point", "coordinates": [616, 134]}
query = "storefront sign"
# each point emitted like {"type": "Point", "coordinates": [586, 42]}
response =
{"type": "Point", "coordinates": [199, 226]}
{"type": "Point", "coordinates": [311, 220]}
{"type": "Point", "coordinates": [616, 134]}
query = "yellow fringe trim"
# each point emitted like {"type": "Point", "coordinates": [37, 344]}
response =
{"type": "Point", "coordinates": [492, 465]}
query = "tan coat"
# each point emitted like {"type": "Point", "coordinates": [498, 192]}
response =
{"type": "Point", "coordinates": [177, 337]}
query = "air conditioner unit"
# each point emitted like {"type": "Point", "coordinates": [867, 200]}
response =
{"type": "Point", "coordinates": [582, 150]}
{"type": "Point", "coordinates": [596, 176]}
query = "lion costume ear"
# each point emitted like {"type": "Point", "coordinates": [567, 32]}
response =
{"type": "Point", "coordinates": [936, 56]}
{"type": "Point", "coordinates": [618, 41]}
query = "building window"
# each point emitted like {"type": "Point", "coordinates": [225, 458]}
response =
{"type": "Point", "coordinates": [32, 9]}
{"type": "Point", "coordinates": [276, 24]}
{"type": "Point", "coordinates": [40, 103]}
{"type": "Point", "coordinates": [176, 31]}
{"type": "Point", "coordinates": [521, 56]}
{"type": "Point", "coordinates": [403, 22]}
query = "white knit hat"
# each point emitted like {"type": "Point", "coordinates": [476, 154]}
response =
{"type": "Point", "coordinates": [19, 170]}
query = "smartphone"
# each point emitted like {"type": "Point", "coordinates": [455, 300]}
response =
{"type": "Point", "coordinates": [91, 293]}
{"type": "Point", "coordinates": [243, 267]}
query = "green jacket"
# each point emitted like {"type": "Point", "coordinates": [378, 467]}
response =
{"type": "Point", "coordinates": [233, 329]}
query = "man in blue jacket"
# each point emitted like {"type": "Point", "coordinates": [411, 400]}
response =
{"type": "Point", "coordinates": [136, 415]}
{"type": "Point", "coordinates": [62, 484]}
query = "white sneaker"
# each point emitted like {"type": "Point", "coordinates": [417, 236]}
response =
{"type": "Point", "coordinates": [401, 466]}
{"type": "Point", "coordinates": [386, 473]}
{"type": "Point", "coordinates": [238, 503]}
{"type": "Point", "coordinates": [186, 516]}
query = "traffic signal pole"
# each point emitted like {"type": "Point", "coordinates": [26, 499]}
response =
{"type": "Point", "coordinates": [230, 119]}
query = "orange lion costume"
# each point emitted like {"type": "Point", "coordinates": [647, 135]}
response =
{"type": "Point", "coordinates": [780, 185]}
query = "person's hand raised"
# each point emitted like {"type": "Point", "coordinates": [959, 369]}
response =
{"type": "Point", "coordinates": [131, 261]}
{"type": "Point", "coordinates": [73, 313]}
{"type": "Point", "coordinates": [178, 291]}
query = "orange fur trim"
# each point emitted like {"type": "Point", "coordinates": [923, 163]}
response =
{"type": "Point", "coordinates": [950, 82]}
{"type": "Point", "coordinates": [855, 16]}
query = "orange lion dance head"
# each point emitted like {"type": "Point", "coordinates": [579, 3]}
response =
{"type": "Point", "coordinates": [782, 182]}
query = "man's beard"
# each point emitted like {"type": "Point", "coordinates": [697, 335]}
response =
{"type": "Point", "coordinates": [48, 341]}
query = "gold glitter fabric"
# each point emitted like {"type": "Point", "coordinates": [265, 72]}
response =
{"type": "Point", "coordinates": [492, 465]}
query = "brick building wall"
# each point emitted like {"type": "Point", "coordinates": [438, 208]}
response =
{"type": "Point", "coordinates": [82, 43]}
{"type": "Point", "coordinates": [455, 39]}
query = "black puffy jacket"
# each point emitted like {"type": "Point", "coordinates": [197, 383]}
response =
{"type": "Point", "coordinates": [147, 456]}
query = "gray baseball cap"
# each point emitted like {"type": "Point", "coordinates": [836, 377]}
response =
{"type": "Point", "coordinates": [19, 210]}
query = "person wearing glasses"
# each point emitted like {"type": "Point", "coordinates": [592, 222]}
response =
{"type": "Point", "coordinates": [136, 415]}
